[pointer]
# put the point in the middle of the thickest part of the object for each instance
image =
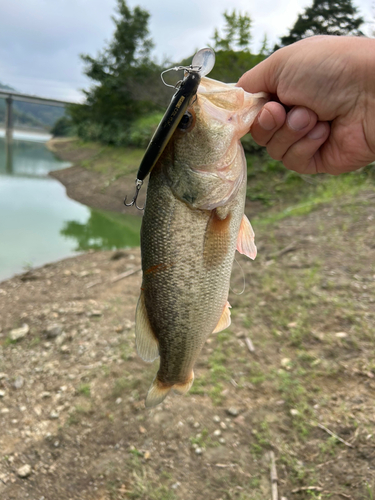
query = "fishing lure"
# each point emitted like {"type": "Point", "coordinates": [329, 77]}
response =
{"type": "Point", "coordinates": [201, 65]}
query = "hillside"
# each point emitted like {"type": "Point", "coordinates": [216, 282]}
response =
{"type": "Point", "coordinates": [293, 374]}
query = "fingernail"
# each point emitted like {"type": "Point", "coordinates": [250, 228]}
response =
{"type": "Point", "coordinates": [266, 120]}
{"type": "Point", "coordinates": [298, 118]}
{"type": "Point", "coordinates": [317, 132]}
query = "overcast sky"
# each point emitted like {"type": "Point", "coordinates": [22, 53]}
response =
{"type": "Point", "coordinates": [40, 40]}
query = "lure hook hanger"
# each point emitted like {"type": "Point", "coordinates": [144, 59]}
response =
{"type": "Point", "coordinates": [138, 185]}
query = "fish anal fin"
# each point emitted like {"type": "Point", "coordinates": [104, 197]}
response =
{"type": "Point", "coordinates": [157, 393]}
{"type": "Point", "coordinates": [185, 387]}
{"type": "Point", "coordinates": [146, 342]}
{"type": "Point", "coordinates": [224, 320]}
{"type": "Point", "coordinates": [245, 240]}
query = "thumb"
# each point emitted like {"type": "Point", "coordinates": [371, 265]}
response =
{"type": "Point", "coordinates": [261, 78]}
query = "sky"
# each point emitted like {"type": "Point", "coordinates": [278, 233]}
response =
{"type": "Point", "coordinates": [41, 40]}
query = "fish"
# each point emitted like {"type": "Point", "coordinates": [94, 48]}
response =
{"type": "Point", "coordinates": [192, 225]}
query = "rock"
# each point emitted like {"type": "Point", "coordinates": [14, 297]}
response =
{"type": "Point", "coordinates": [95, 313]}
{"type": "Point", "coordinates": [232, 411]}
{"type": "Point", "coordinates": [53, 330]}
{"type": "Point", "coordinates": [64, 349]}
{"type": "Point", "coordinates": [2, 394]}
{"type": "Point", "coordinates": [341, 335]}
{"type": "Point", "coordinates": [294, 412]}
{"type": "Point", "coordinates": [4, 410]}
{"type": "Point", "coordinates": [222, 441]}
{"type": "Point", "coordinates": [24, 471]}
{"type": "Point", "coordinates": [45, 394]}
{"type": "Point", "coordinates": [198, 451]}
{"type": "Point", "coordinates": [19, 333]}
{"type": "Point", "coordinates": [147, 455]}
{"type": "Point", "coordinates": [216, 419]}
{"type": "Point", "coordinates": [217, 432]}
{"type": "Point", "coordinates": [223, 425]}
{"type": "Point", "coordinates": [54, 415]}
{"type": "Point", "coordinates": [3, 375]}
{"type": "Point", "coordinates": [18, 383]}
{"type": "Point", "coordinates": [118, 401]}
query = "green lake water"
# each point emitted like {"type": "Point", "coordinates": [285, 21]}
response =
{"type": "Point", "coordinates": [39, 223]}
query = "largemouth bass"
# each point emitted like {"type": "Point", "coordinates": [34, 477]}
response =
{"type": "Point", "coordinates": [193, 223]}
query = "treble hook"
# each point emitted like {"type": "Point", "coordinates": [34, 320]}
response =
{"type": "Point", "coordinates": [138, 185]}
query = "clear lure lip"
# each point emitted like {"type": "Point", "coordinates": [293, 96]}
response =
{"type": "Point", "coordinates": [202, 64]}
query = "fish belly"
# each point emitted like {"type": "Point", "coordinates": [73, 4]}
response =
{"type": "Point", "coordinates": [187, 258]}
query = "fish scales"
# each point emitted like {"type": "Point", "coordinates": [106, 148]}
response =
{"type": "Point", "coordinates": [189, 235]}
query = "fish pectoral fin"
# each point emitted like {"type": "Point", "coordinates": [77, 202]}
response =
{"type": "Point", "coordinates": [245, 240]}
{"type": "Point", "coordinates": [156, 393]}
{"type": "Point", "coordinates": [224, 320]}
{"type": "Point", "coordinates": [146, 342]}
{"type": "Point", "coordinates": [184, 388]}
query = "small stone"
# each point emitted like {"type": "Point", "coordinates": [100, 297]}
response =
{"type": "Point", "coordinates": [95, 313]}
{"type": "Point", "coordinates": [222, 441]}
{"type": "Point", "coordinates": [45, 394]}
{"type": "Point", "coordinates": [294, 412]}
{"type": "Point", "coordinates": [223, 425]}
{"type": "Point", "coordinates": [216, 419]}
{"type": "Point", "coordinates": [341, 335]}
{"type": "Point", "coordinates": [4, 410]}
{"type": "Point", "coordinates": [293, 324]}
{"type": "Point", "coordinates": [118, 401]}
{"type": "Point", "coordinates": [53, 330]}
{"type": "Point", "coordinates": [54, 415]}
{"type": "Point", "coordinates": [175, 485]}
{"type": "Point", "coordinates": [24, 471]}
{"type": "Point", "coordinates": [142, 430]}
{"type": "Point", "coordinates": [198, 451]}
{"type": "Point", "coordinates": [217, 432]}
{"type": "Point", "coordinates": [119, 329]}
{"type": "Point", "coordinates": [18, 383]}
{"type": "Point", "coordinates": [286, 363]}
{"type": "Point", "coordinates": [19, 333]}
{"type": "Point", "coordinates": [3, 375]}
{"type": "Point", "coordinates": [196, 425]}
{"type": "Point", "coordinates": [147, 455]}
{"type": "Point", "coordinates": [64, 349]}
{"type": "Point", "coordinates": [2, 394]}
{"type": "Point", "coordinates": [232, 411]}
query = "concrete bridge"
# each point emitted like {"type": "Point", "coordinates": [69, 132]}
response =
{"type": "Point", "coordinates": [10, 96]}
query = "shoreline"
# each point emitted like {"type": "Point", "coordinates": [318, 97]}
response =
{"type": "Point", "coordinates": [99, 177]}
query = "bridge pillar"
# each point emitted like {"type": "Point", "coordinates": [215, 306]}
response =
{"type": "Point", "coordinates": [9, 119]}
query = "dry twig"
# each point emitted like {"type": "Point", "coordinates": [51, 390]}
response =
{"type": "Point", "coordinates": [289, 248]}
{"type": "Point", "coordinates": [307, 488]}
{"type": "Point", "coordinates": [274, 479]}
{"type": "Point", "coordinates": [249, 344]}
{"type": "Point", "coordinates": [321, 426]}
{"type": "Point", "coordinates": [125, 275]}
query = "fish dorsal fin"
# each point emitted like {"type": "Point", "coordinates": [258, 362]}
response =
{"type": "Point", "coordinates": [224, 320]}
{"type": "Point", "coordinates": [245, 240]}
{"type": "Point", "coordinates": [146, 342]}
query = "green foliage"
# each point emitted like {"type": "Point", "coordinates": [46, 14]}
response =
{"type": "Point", "coordinates": [63, 127]}
{"type": "Point", "coordinates": [236, 32]}
{"type": "Point", "coordinates": [325, 17]}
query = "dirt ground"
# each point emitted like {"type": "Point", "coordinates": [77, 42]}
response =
{"type": "Point", "coordinates": [293, 377]}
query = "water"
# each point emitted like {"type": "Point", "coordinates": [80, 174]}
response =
{"type": "Point", "coordinates": [39, 223]}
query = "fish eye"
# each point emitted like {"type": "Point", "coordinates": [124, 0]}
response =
{"type": "Point", "coordinates": [186, 121]}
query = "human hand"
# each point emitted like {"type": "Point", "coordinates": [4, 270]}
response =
{"type": "Point", "coordinates": [329, 82]}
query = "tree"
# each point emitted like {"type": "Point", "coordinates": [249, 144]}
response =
{"type": "Point", "coordinates": [236, 32]}
{"type": "Point", "coordinates": [126, 81]}
{"type": "Point", "coordinates": [325, 17]}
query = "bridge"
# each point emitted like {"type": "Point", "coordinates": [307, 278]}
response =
{"type": "Point", "coordinates": [10, 96]}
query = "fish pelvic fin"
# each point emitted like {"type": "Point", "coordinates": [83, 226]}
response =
{"type": "Point", "coordinates": [224, 320]}
{"type": "Point", "coordinates": [145, 339]}
{"type": "Point", "coordinates": [245, 240]}
{"type": "Point", "coordinates": [159, 391]}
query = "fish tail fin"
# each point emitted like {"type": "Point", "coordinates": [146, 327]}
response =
{"type": "Point", "coordinates": [156, 393]}
{"type": "Point", "coordinates": [185, 387]}
{"type": "Point", "coordinates": [159, 391]}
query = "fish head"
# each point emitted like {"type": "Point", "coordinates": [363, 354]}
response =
{"type": "Point", "coordinates": [205, 159]}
